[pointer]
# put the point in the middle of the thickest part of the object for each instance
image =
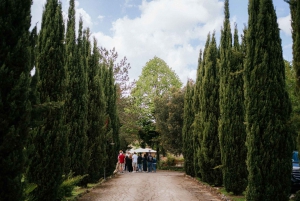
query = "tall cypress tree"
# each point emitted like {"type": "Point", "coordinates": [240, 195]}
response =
{"type": "Point", "coordinates": [77, 96]}
{"type": "Point", "coordinates": [209, 153]}
{"type": "Point", "coordinates": [111, 122]}
{"type": "Point", "coordinates": [71, 101]}
{"type": "Point", "coordinates": [232, 133]}
{"type": "Point", "coordinates": [50, 142]}
{"type": "Point", "coordinates": [96, 117]}
{"type": "Point", "coordinates": [267, 107]}
{"type": "Point", "coordinates": [196, 126]}
{"type": "Point", "coordinates": [187, 134]}
{"type": "Point", "coordinates": [79, 161]}
{"type": "Point", "coordinates": [14, 91]}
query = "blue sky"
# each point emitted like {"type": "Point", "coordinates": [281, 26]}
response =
{"type": "Point", "coordinates": [173, 30]}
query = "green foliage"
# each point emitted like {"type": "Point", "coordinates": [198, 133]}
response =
{"type": "Point", "coordinates": [15, 107]}
{"type": "Point", "coordinates": [297, 196]}
{"type": "Point", "coordinates": [187, 134]}
{"type": "Point", "coordinates": [209, 155]}
{"type": "Point", "coordinates": [231, 129]}
{"type": "Point", "coordinates": [196, 125]}
{"type": "Point", "coordinates": [68, 185]}
{"type": "Point", "coordinates": [169, 120]}
{"type": "Point", "coordinates": [96, 117]}
{"type": "Point", "coordinates": [112, 120]}
{"type": "Point", "coordinates": [50, 135]}
{"type": "Point", "coordinates": [155, 81]}
{"type": "Point", "coordinates": [268, 108]}
{"type": "Point", "coordinates": [29, 188]}
{"type": "Point", "coordinates": [295, 116]}
{"type": "Point", "coordinates": [77, 101]}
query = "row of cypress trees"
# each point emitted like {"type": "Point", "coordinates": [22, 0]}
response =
{"type": "Point", "coordinates": [237, 113]}
{"type": "Point", "coordinates": [62, 120]}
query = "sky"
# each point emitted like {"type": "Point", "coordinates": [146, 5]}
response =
{"type": "Point", "coordinates": [173, 30]}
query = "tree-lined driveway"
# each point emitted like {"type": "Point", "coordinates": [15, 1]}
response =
{"type": "Point", "coordinates": [159, 186]}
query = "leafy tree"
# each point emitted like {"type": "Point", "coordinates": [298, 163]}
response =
{"type": "Point", "coordinates": [295, 115]}
{"type": "Point", "coordinates": [50, 142]}
{"type": "Point", "coordinates": [295, 23]}
{"type": "Point", "coordinates": [15, 107]}
{"type": "Point", "coordinates": [156, 80]}
{"type": "Point", "coordinates": [187, 134]}
{"type": "Point", "coordinates": [126, 118]}
{"type": "Point", "coordinates": [209, 153]}
{"type": "Point", "coordinates": [267, 107]}
{"type": "Point", "coordinates": [232, 133]}
{"type": "Point", "coordinates": [169, 120]}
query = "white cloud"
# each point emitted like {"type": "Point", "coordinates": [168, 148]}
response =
{"type": "Point", "coordinates": [101, 17]}
{"type": "Point", "coordinates": [285, 24]}
{"type": "Point", "coordinates": [86, 18]}
{"type": "Point", "coordinates": [165, 29]}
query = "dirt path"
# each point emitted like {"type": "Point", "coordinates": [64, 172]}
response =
{"type": "Point", "coordinates": [159, 186]}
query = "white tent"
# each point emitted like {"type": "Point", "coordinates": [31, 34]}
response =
{"type": "Point", "coordinates": [144, 150]}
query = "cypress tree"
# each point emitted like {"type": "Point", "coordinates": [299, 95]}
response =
{"type": "Point", "coordinates": [15, 106]}
{"type": "Point", "coordinates": [195, 127]}
{"type": "Point", "coordinates": [80, 161]}
{"type": "Point", "coordinates": [77, 96]}
{"type": "Point", "coordinates": [71, 101]}
{"type": "Point", "coordinates": [111, 122]}
{"type": "Point", "coordinates": [232, 133]}
{"type": "Point", "coordinates": [187, 134]}
{"type": "Point", "coordinates": [267, 107]}
{"type": "Point", "coordinates": [209, 154]}
{"type": "Point", "coordinates": [96, 117]}
{"type": "Point", "coordinates": [50, 142]}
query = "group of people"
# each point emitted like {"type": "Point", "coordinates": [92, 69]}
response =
{"type": "Point", "coordinates": [136, 163]}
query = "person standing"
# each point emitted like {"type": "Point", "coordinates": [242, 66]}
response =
{"type": "Point", "coordinates": [126, 161]}
{"type": "Point", "coordinates": [134, 162]}
{"type": "Point", "coordinates": [121, 160]}
{"type": "Point", "coordinates": [154, 164]}
{"type": "Point", "coordinates": [129, 163]}
{"type": "Point", "coordinates": [140, 162]}
{"type": "Point", "coordinates": [149, 161]}
{"type": "Point", "coordinates": [145, 163]}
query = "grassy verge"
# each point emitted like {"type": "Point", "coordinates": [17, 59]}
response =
{"type": "Point", "coordinates": [79, 191]}
{"type": "Point", "coordinates": [231, 196]}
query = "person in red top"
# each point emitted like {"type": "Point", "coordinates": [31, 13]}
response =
{"type": "Point", "coordinates": [121, 160]}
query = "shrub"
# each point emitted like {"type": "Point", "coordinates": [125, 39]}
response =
{"type": "Point", "coordinates": [68, 185]}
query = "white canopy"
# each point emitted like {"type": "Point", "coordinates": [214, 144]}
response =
{"type": "Point", "coordinates": [142, 150]}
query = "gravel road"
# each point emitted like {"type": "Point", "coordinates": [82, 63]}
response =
{"type": "Point", "coordinates": [159, 186]}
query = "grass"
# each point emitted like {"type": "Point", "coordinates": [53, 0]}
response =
{"type": "Point", "coordinates": [77, 191]}
{"type": "Point", "coordinates": [232, 196]}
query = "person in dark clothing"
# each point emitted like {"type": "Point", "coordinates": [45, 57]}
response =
{"type": "Point", "coordinates": [140, 162]}
{"type": "Point", "coordinates": [126, 160]}
{"type": "Point", "coordinates": [149, 161]}
{"type": "Point", "coordinates": [145, 163]}
{"type": "Point", "coordinates": [129, 163]}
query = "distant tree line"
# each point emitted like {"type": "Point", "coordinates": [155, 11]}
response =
{"type": "Point", "coordinates": [62, 121]}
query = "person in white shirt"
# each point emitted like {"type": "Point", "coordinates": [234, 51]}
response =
{"type": "Point", "coordinates": [134, 162]}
